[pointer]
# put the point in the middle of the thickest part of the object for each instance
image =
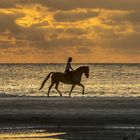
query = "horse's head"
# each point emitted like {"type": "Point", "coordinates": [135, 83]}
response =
{"type": "Point", "coordinates": [83, 69]}
{"type": "Point", "coordinates": [86, 71]}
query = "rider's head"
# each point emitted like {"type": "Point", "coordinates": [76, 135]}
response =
{"type": "Point", "coordinates": [70, 59]}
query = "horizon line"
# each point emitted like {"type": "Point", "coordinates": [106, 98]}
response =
{"type": "Point", "coordinates": [74, 63]}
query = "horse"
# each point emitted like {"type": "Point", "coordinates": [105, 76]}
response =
{"type": "Point", "coordinates": [74, 78]}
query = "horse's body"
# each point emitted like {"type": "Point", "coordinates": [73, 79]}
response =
{"type": "Point", "coordinates": [74, 79]}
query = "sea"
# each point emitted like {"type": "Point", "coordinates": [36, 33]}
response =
{"type": "Point", "coordinates": [105, 80]}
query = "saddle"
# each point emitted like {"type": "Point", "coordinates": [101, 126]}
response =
{"type": "Point", "coordinates": [69, 76]}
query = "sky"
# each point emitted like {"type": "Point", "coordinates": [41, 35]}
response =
{"type": "Point", "coordinates": [89, 31]}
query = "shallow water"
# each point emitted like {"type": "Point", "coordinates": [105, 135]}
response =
{"type": "Point", "coordinates": [106, 80]}
{"type": "Point", "coordinates": [30, 135]}
{"type": "Point", "coordinates": [39, 134]}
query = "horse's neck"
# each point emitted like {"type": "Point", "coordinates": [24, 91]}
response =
{"type": "Point", "coordinates": [78, 73]}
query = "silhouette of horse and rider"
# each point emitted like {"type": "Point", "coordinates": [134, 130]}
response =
{"type": "Point", "coordinates": [70, 76]}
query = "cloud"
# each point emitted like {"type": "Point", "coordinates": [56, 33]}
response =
{"type": "Point", "coordinates": [72, 4]}
{"type": "Point", "coordinates": [36, 30]}
{"type": "Point", "coordinates": [7, 4]}
{"type": "Point", "coordinates": [129, 44]}
{"type": "Point", "coordinates": [75, 15]}
{"type": "Point", "coordinates": [7, 22]}
{"type": "Point", "coordinates": [134, 17]}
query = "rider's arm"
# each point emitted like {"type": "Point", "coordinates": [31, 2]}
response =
{"type": "Point", "coordinates": [70, 66]}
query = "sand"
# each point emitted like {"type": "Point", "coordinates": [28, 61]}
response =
{"type": "Point", "coordinates": [71, 112]}
{"type": "Point", "coordinates": [79, 118]}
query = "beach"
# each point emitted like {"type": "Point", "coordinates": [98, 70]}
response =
{"type": "Point", "coordinates": [91, 116]}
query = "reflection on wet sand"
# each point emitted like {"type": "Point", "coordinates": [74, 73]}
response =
{"type": "Point", "coordinates": [102, 134]}
{"type": "Point", "coordinates": [30, 135]}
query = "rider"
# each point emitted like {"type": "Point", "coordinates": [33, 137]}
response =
{"type": "Point", "coordinates": [69, 69]}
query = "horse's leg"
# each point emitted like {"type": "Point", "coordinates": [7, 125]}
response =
{"type": "Point", "coordinates": [71, 90]}
{"type": "Point", "coordinates": [50, 89]}
{"type": "Point", "coordinates": [82, 87]}
{"type": "Point", "coordinates": [56, 87]}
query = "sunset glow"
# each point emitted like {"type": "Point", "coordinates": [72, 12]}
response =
{"type": "Point", "coordinates": [49, 31]}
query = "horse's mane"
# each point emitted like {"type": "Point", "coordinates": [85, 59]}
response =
{"type": "Point", "coordinates": [80, 67]}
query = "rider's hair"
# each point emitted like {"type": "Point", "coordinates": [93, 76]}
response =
{"type": "Point", "coordinates": [69, 59]}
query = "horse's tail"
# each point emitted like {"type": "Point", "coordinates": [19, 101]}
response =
{"type": "Point", "coordinates": [43, 83]}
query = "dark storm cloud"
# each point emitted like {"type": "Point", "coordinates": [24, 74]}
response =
{"type": "Point", "coordinates": [75, 16]}
{"type": "Point", "coordinates": [72, 4]}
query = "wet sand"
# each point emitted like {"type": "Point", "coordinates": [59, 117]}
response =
{"type": "Point", "coordinates": [86, 116]}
